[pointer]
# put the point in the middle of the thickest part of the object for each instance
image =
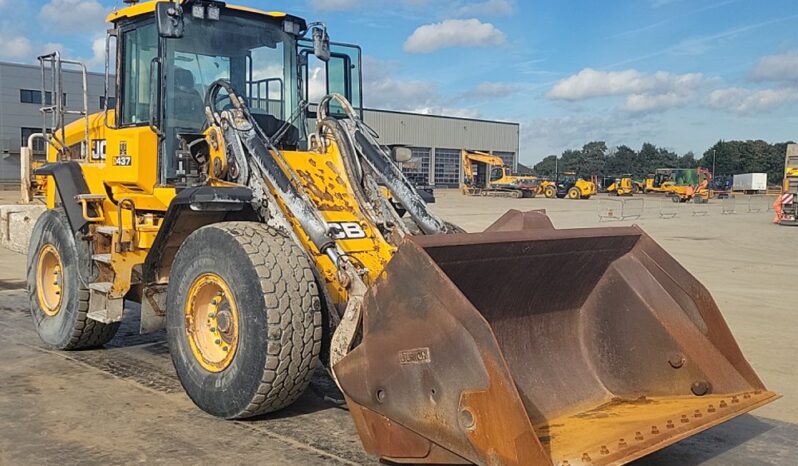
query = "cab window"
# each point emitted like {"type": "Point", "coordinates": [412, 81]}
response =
{"type": "Point", "coordinates": [140, 47]}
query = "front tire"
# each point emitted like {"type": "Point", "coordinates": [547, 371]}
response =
{"type": "Point", "coordinates": [59, 299]}
{"type": "Point", "coordinates": [574, 193]}
{"type": "Point", "coordinates": [550, 192]}
{"type": "Point", "coordinates": [244, 319]}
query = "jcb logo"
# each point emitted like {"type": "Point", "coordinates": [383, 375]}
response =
{"type": "Point", "coordinates": [346, 230]}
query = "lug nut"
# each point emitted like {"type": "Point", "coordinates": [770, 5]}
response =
{"type": "Point", "coordinates": [218, 342]}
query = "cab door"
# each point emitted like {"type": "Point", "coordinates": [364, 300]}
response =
{"type": "Point", "coordinates": [131, 144]}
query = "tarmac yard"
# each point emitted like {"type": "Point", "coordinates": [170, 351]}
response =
{"type": "Point", "coordinates": [123, 404]}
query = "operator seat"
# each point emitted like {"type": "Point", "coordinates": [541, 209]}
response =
{"type": "Point", "coordinates": [187, 106]}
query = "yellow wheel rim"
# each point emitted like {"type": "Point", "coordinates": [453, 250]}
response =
{"type": "Point", "coordinates": [573, 195]}
{"type": "Point", "coordinates": [49, 280]}
{"type": "Point", "coordinates": [212, 322]}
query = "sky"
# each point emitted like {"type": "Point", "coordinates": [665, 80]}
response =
{"type": "Point", "coordinates": [681, 74]}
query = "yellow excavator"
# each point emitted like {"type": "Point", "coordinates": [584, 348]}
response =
{"type": "Point", "coordinates": [265, 246]}
{"type": "Point", "coordinates": [487, 175]}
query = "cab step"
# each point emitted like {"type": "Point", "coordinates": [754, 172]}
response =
{"type": "Point", "coordinates": [102, 308]}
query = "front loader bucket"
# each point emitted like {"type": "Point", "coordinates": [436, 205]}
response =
{"type": "Point", "coordinates": [540, 346]}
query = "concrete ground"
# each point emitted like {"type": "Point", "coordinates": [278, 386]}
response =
{"type": "Point", "coordinates": [123, 404]}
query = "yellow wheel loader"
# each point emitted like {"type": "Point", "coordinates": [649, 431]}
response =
{"type": "Point", "coordinates": [622, 186]}
{"type": "Point", "coordinates": [266, 247]}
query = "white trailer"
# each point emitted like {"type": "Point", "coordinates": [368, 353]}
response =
{"type": "Point", "coordinates": [750, 183]}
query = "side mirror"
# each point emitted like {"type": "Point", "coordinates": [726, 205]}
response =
{"type": "Point", "coordinates": [401, 154]}
{"type": "Point", "coordinates": [170, 20]}
{"type": "Point", "coordinates": [321, 44]}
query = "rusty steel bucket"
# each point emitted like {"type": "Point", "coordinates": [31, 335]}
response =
{"type": "Point", "coordinates": [526, 345]}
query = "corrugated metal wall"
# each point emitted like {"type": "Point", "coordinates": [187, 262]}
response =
{"type": "Point", "coordinates": [437, 131]}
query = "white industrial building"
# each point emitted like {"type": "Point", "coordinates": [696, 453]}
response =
{"type": "Point", "coordinates": [436, 141]}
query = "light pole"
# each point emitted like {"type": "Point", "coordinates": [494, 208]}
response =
{"type": "Point", "coordinates": [713, 164]}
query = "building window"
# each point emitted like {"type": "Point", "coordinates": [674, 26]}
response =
{"type": "Point", "coordinates": [447, 167]}
{"type": "Point", "coordinates": [29, 96]}
{"type": "Point", "coordinates": [417, 169]}
{"type": "Point", "coordinates": [111, 102]}
{"type": "Point", "coordinates": [39, 144]}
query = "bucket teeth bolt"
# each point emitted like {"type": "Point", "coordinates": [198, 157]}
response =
{"type": "Point", "coordinates": [654, 430]}
{"type": "Point", "coordinates": [685, 419]}
{"type": "Point", "coordinates": [669, 425]}
{"type": "Point", "coordinates": [735, 399]}
{"type": "Point", "coordinates": [586, 458]}
{"type": "Point", "coordinates": [747, 396]}
{"type": "Point", "coordinates": [622, 443]}
{"type": "Point", "coordinates": [723, 404]}
{"type": "Point", "coordinates": [711, 409]}
{"type": "Point", "coordinates": [697, 413]}
{"type": "Point", "coordinates": [605, 450]}
{"type": "Point", "coordinates": [638, 436]}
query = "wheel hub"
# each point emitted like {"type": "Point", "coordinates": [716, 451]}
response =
{"type": "Point", "coordinates": [212, 322]}
{"type": "Point", "coordinates": [49, 280]}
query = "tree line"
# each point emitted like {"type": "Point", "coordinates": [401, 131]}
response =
{"type": "Point", "coordinates": [730, 158]}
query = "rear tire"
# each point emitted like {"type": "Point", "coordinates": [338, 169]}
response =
{"type": "Point", "coordinates": [574, 193]}
{"type": "Point", "coordinates": [59, 300]}
{"type": "Point", "coordinates": [270, 295]}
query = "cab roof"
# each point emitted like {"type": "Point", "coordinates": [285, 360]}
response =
{"type": "Point", "coordinates": [144, 8]}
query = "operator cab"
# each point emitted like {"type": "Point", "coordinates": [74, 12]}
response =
{"type": "Point", "coordinates": [167, 60]}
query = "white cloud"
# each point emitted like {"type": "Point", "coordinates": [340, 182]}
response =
{"type": "Point", "coordinates": [448, 111]}
{"type": "Point", "coordinates": [453, 33]}
{"type": "Point", "coordinates": [644, 91]}
{"type": "Point", "coordinates": [382, 89]}
{"type": "Point", "coordinates": [333, 5]}
{"type": "Point", "coordinates": [747, 101]}
{"type": "Point", "coordinates": [15, 46]}
{"type": "Point", "coordinates": [652, 102]}
{"type": "Point", "coordinates": [782, 67]}
{"type": "Point", "coordinates": [98, 53]}
{"type": "Point", "coordinates": [590, 83]}
{"type": "Point", "coordinates": [74, 15]}
{"type": "Point", "coordinates": [485, 8]}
